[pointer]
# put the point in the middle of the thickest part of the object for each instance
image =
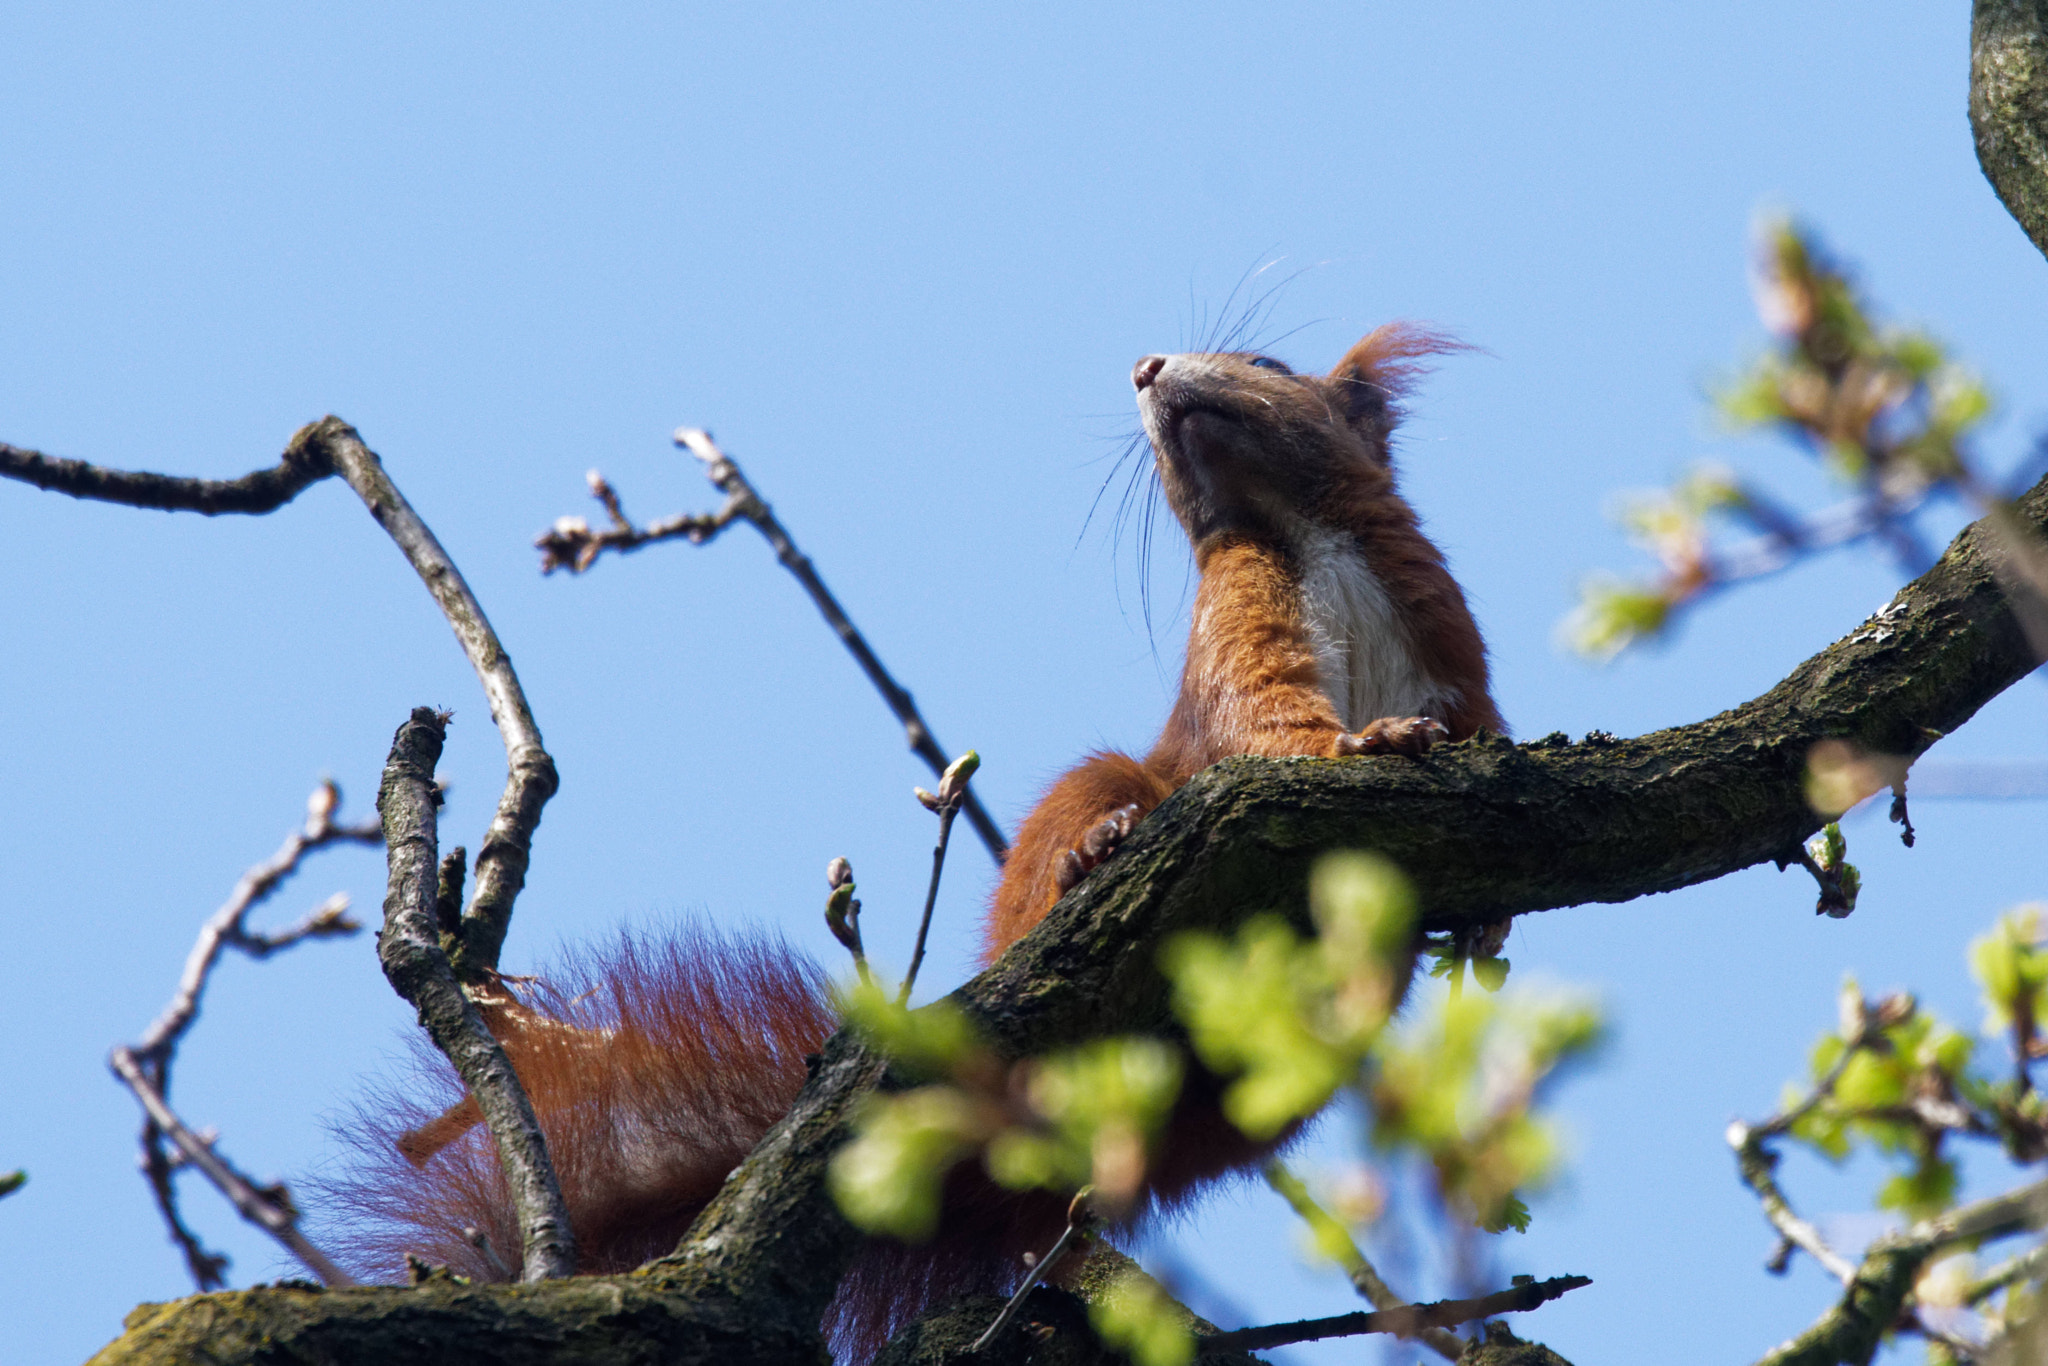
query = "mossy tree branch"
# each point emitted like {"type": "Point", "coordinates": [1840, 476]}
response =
{"type": "Point", "coordinates": [2009, 106]}
{"type": "Point", "coordinates": [1485, 829]}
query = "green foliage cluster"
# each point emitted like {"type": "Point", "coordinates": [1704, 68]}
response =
{"type": "Point", "coordinates": [1894, 1079]}
{"type": "Point", "coordinates": [1886, 410]}
{"type": "Point", "coordinates": [1290, 1020]}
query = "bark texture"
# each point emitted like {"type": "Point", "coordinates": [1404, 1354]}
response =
{"type": "Point", "coordinates": [2009, 106]}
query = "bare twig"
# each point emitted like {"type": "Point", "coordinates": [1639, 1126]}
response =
{"type": "Point", "coordinates": [258, 492]}
{"type": "Point", "coordinates": [332, 446]}
{"type": "Point", "coordinates": [409, 948]}
{"type": "Point", "coordinates": [571, 544]}
{"type": "Point", "coordinates": [530, 780]}
{"type": "Point", "coordinates": [267, 1207]}
{"type": "Point", "coordinates": [1078, 1220]}
{"type": "Point", "coordinates": [1333, 1238]}
{"type": "Point", "coordinates": [411, 951]}
{"type": "Point", "coordinates": [1758, 1165]}
{"type": "Point", "coordinates": [2026, 1266]}
{"type": "Point", "coordinates": [1408, 1320]}
{"type": "Point", "coordinates": [146, 1065]}
{"type": "Point", "coordinates": [946, 803]}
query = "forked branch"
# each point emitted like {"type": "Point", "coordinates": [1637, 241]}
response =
{"type": "Point", "coordinates": [572, 544]}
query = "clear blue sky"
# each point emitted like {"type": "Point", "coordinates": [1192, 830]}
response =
{"type": "Point", "coordinates": [901, 265]}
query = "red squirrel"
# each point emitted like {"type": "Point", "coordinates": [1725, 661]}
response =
{"type": "Point", "coordinates": [1325, 624]}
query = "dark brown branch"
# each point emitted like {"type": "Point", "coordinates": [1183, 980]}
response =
{"type": "Point", "coordinates": [571, 544]}
{"type": "Point", "coordinates": [1484, 829]}
{"type": "Point", "coordinates": [257, 492]}
{"type": "Point", "coordinates": [1408, 1320]}
{"type": "Point", "coordinates": [410, 950]}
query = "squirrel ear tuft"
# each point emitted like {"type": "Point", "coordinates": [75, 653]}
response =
{"type": "Point", "coordinates": [1377, 373]}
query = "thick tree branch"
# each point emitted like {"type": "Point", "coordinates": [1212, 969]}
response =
{"type": "Point", "coordinates": [2009, 106]}
{"type": "Point", "coordinates": [410, 950]}
{"type": "Point", "coordinates": [1485, 829]}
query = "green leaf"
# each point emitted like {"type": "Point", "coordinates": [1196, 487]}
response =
{"type": "Point", "coordinates": [1512, 1213]}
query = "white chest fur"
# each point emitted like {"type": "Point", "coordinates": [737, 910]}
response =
{"type": "Point", "coordinates": [1362, 651]}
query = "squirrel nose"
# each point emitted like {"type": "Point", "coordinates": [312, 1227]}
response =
{"type": "Point", "coordinates": [1147, 370]}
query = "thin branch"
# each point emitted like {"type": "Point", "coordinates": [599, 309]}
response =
{"type": "Point", "coordinates": [1078, 1220]}
{"type": "Point", "coordinates": [1758, 1165]}
{"type": "Point", "coordinates": [257, 492]}
{"type": "Point", "coordinates": [2026, 1266]}
{"type": "Point", "coordinates": [530, 780]}
{"type": "Point", "coordinates": [332, 446]}
{"type": "Point", "coordinates": [150, 1059]}
{"type": "Point", "coordinates": [571, 544]}
{"type": "Point", "coordinates": [946, 802]}
{"type": "Point", "coordinates": [1333, 1238]}
{"type": "Point", "coordinates": [267, 1207]}
{"type": "Point", "coordinates": [1408, 1320]}
{"type": "Point", "coordinates": [410, 951]}
{"type": "Point", "coordinates": [225, 928]}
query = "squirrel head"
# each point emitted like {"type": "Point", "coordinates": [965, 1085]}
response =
{"type": "Point", "coordinates": [1246, 446]}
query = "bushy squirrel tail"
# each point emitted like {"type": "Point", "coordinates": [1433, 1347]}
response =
{"type": "Point", "coordinates": [655, 1063]}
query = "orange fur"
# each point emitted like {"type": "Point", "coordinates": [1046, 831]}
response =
{"type": "Point", "coordinates": [654, 1064]}
{"type": "Point", "coordinates": [1252, 683]}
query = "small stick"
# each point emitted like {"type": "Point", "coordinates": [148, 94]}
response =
{"type": "Point", "coordinates": [572, 544]}
{"type": "Point", "coordinates": [1365, 1278]}
{"type": "Point", "coordinates": [530, 777]}
{"type": "Point", "coordinates": [1078, 1218]}
{"type": "Point", "coordinates": [150, 1058]}
{"type": "Point", "coordinates": [952, 791]}
{"type": "Point", "coordinates": [268, 1209]}
{"type": "Point", "coordinates": [1407, 1320]}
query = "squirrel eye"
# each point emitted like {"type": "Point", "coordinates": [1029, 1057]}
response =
{"type": "Point", "coordinates": [1268, 363]}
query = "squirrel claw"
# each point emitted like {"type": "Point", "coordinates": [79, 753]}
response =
{"type": "Point", "coordinates": [1409, 735]}
{"type": "Point", "coordinates": [1098, 844]}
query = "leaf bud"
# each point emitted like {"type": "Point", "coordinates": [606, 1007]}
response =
{"type": "Point", "coordinates": [953, 782]}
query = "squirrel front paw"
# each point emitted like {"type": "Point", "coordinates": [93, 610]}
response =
{"type": "Point", "coordinates": [1409, 735]}
{"type": "Point", "coordinates": [1098, 844]}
